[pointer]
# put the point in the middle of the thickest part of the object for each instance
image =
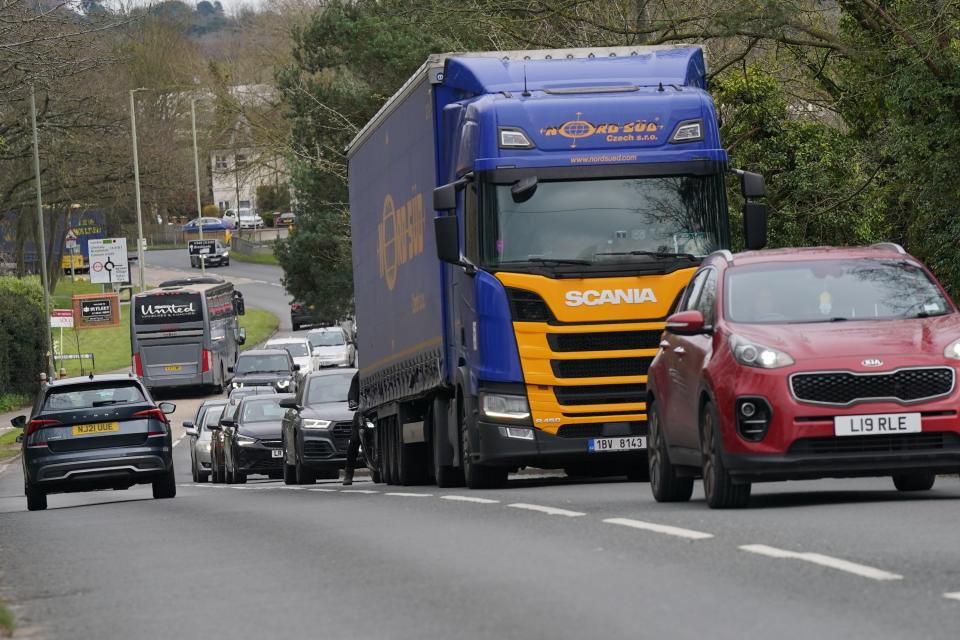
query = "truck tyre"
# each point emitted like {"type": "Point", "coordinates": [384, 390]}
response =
{"type": "Point", "coordinates": [445, 475]}
{"type": "Point", "coordinates": [165, 486]}
{"type": "Point", "coordinates": [914, 481]}
{"type": "Point", "coordinates": [36, 498]}
{"type": "Point", "coordinates": [718, 486]}
{"type": "Point", "coordinates": [392, 457]}
{"type": "Point", "coordinates": [476, 475]}
{"type": "Point", "coordinates": [665, 485]}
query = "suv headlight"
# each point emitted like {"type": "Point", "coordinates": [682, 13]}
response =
{"type": "Point", "coordinates": [952, 351]}
{"type": "Point", "coordinates": [752, 354]}
{"type": "Point", "coordinates": [246, 441]}
{"type": "Point", "coordinates": [504, 407]}
{"type": "Point", "coordinates": [283, 384]}
{"type": "Point", "coordinates": [316, 424]}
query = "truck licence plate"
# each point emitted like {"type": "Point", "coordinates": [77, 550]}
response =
{"type": "Point", "coordinates": [276, 453]}
{"type": "Point", "coordinates": [877, 424]}
{"type": "Point", "coordinates": [627, 443]}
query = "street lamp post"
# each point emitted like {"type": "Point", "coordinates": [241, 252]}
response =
{"type": "Point", "coordinates": [196, 173]}
{"type": "Point", "coordinates": [136, 184]}
{"type": "Point", "coordinates": [41, 231]}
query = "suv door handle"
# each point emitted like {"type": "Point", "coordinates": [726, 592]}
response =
{"type": "Point", "coordinates": [679, 350]}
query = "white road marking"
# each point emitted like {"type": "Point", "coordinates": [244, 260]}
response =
{"type": "Point", "coordinates": [689, 534]}
{"type": "Point", "coordinates": [289, 488]}
{"type": "Point", "coordinates": [179, 439]}
{"type": "Point", "coordinates": [323, 490]}
{"type": "Point", "coordinates": [9, 462]}
{"type": "Point", "coordinates": [357, 491]}
{"type": "Point", "coordinates": [471, 499]}
{"type": "Point", "coordinates": [553, 511]}
{"type": "Point", "coordinates": [408, 495]}
{"type": "Point", "coordinates": [952, 596]}
{"type": "Point", "coordinates": [861, 570]}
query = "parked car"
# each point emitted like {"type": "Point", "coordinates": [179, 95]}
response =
{"type": "Point", "coordinates": [302, 314]}
{"type": "Point", "coordinates": [299, 349]}
{"type": "Point", "coordinates": [243, 218]}
{"type": "Point", "coordinates": [209, 224]}
{"type": "Point", "coordinates": [332, 347]}
{"type": "Point", "coordinates": [199, 433]}
{"type": "Point", "coordinates": [251, 438]}
{"type": "Point", "coordinates": [316, 427]}
{"type": "Point", "coordinates": [93, 433]}
{"type": "Point", "coordinates": [264, 368]}
{"type": "Point", "coordinates": [805, 363]}
{"type": "Point", "coordinates": [213, 253]}
{"type": "Point", "coordinates": [285, 219]}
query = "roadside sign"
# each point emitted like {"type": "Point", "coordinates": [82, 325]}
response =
{"type": "Point", "coordinates": [61, 319]}
{"type": "Point", "coordinates": [75, 356]}
{"type": "Point", "coordinates": [96, 310]}
{"type": "Point", "coordinates": [201, 247]}
{"type": "Point", "coordinates": [108, 261]}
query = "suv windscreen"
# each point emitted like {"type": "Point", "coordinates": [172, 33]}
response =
{"type": "Point", "coordinates": [327, 339]}
{"type": "Point", "coordinates": [830, 291]}
{"type": "Point", "coordinates": [262, 364]}
{"type": "Point", "coordinates": [90, 396]}
{"type": "Point", "coordinates": [329, 388]}
{"type": "Point", "coordinates": [295, 349]}
{"type": "Point", "coordinates": [261, 410]}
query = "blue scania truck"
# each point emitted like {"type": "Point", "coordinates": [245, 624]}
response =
{"type": "Point", "coordinates": [523, 223]}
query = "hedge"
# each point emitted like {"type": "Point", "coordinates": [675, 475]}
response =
{"type": "Point", "coordinates": [23, 334]}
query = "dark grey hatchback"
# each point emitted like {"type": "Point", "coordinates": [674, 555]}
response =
{"type": "Point", "coordinates": [94, 433]}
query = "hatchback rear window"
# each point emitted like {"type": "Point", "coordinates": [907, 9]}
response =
{"type": "Point", "coordinates": [831, 291]}
{"type": "Point", "coordinates": [89, 396]}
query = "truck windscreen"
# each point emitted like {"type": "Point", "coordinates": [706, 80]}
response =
{"type": "Point", "coordinates": [167, 308]}
{"type": "Point", "coordinates": [602, 220]}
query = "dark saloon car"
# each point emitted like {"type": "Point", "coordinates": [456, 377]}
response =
{"type": "Point", "coordinates": [264, 368]}
{"type": "Point", "coordinates": [302, 314]}
{"type": "Point", "coordinates": [316, 427]}
{"type": "Point", "coordinates": [93, 433]}
{"type": "Point", "coordinates": [251, 438]}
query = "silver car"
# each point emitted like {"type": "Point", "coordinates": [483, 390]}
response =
{"type": "Point", "coordinates": [332, 347]}
{"type": "Point", "coordinates": [199, 433]}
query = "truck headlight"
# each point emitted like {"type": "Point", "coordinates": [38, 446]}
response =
{"type": "Point", "coordinates": [316, 424]}
{"type": "Point", "coordinates": [752, 354]}
{"type": "Point", "coordinates": [952, 351]}
{"type": "Point", "coordinates": [504, 407]}
{"type": "Point", "coordinates": [246, 441]}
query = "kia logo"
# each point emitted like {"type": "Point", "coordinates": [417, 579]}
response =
{"type": "Point", "coordinates": [872, 362]}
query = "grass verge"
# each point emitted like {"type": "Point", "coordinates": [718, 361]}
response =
{"type": "Point", "coordinates": [255, 258]}
{"type": "Point", "coordinates": [7, 624]}
{"type": "Point", "coordinates": [259, 325]}
{"type": "Point", "coordinates": [9, 447]}
{"type": "Point", "coordinates": [110, 346]}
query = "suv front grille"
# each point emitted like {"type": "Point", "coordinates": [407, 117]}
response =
{"type": "Point", "coordinates": [601, 394]}
{"type": "Point", "coordinates": [876, 444]}
{"type": "Point", "coordinates": [601, 367]}
{"type": "Point", "coordinates": [844, 388]}
{"type": "Point", "coordinates": [318, 449]}
{"type": "Point", "coordinates": [341, 434]}
{"type": "Point", "coordinates": [606, 341]}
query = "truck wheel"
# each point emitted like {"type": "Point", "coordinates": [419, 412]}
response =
{"type": "Point", "coordinates": [444, 475]}
{"type": "Point", "coordinates": [165, 486]}
{"type": "Point", "coordinates": [914, 481]}
{"type": "Point", "coordinates": [665, 485]}
{"type": "Point", "coordinates": [391, 452]}
{"type": "Point", "coordinates": [476, 475]}
{"type": "Point", "coordinates": [36, 498]}
{"type": "Point", "coordinates": [718, 486]}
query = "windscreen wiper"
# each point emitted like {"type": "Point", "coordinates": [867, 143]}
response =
{"type": "Point", "coordinates": [652, 254]}
{"type": "Point", "coordinates": [549, 261]}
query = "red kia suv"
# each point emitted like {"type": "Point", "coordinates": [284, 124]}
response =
{"type": "Point", "coordinates": [805, 363]}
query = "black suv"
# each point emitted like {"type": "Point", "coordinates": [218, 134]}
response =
{"type": "Point", "coordinates": [96, 432]}
{"type": "Point", "coordinates": [264, 368]}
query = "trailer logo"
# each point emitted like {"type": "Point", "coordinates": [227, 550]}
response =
{"type": "Point", "coordinates": [633, 131]}
{"type": "Point", "coordinates": [400, 236]}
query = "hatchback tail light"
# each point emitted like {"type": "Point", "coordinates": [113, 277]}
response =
{"type": "Point", "coordinates": [295, 306]}
{"type": "Point", "coordinates": [138, 365]}
{"type": "Point", "coordinates": [35, 425]}
{"type": "Point", "coordinates": [151, 414]}
{"type": "Point", "coordinates": [206, 360]}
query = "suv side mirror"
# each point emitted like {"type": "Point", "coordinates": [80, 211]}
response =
{"type": "Point", "coordinates": [755, 225]}
{"type": "Point", "coordinates": [188, 424]}
{"type": "Point", "coordinates": [19, 422]}
{"type": "Point", "coordinates": [686, 323]}
{"type": "Point", "coordinates": [193, 433]}
{"type": "Point", "coordinates": [289, 403]}
{"type": "Point", "coordinates": [214, 427]}
{"type": "Point", "coordinates": [167, 408]}
{"type": "Point", "coordinates": [226, 422]}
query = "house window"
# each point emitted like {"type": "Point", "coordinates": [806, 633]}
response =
{"type": "Point", "coordinates": [241, 161]}
{"type": "Point", "coordinates": [220, 163]}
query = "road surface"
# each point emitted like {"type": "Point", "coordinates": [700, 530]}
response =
{"type": "Point", "coordinates": [543, 558]}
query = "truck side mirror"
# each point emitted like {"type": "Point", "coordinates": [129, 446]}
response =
{"type": "Point", "coordinates": [755, 225]}
{"type": "Point", "coordinates": [238, 303]}
{"type": "Point", "coordinates": [752, 185]}
{"type": "Point", "coordinates": [448, 238]}
{"type": "Point", "coordinates": [241, 339]}
{"type": "Point", "coordinates": [445, 197]}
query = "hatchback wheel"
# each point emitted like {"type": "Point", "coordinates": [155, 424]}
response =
{"type": "Point", "coordinates": [720, 490]}
{"type": "Point", "coordinates": [914, 481]}
{"type": "Point", "coordinates": [665, 484]}
{"type": "Point", "coordinates": [36, 498]}
{"type": "Point", "coordinates": [165, 486]}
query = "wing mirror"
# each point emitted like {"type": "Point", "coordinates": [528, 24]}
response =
{"type": "Point", "coordinates": [296, 367]}
{"type": "Point", "coordinates": [752, 185]}
{"type": "Point", "coordinates": [230, 369]}
{"type": "Point", "coordinates": [241, 339]}
{"type": "Point", "coordinates": [289, 403]}
{"type": "Point", "coordinates": [193, 433]}
{"type": "Point", "coordinates": [687, 323]}
{"type": "Point", "coordinates": [755, 225]}
{"type": "Point", "coordinates": [214, 427]}
{"type": "Point", "coordinates": [167, 407]}
{"type": "Point", "coordinates": [238, 303]}
{"type": "Point", "coordinates": [19, 422]}
{"type": "Point", "coordinates": [226, 423]}
{"type": "Point", "coordinates": [188, 424]}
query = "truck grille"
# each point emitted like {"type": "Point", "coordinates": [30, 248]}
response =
{"type": "Point", "coordinates": [601, 394]}
{"type": "Point", "coordinates": [843, 388]}
{"type": "Point", "coordinates": [600, 429]}
{"type": "Point", "coordinates": [876, 444]}
{"type": "Point", "coordinates": [606, 341]}
{"type": "Point", "coordinates": [601, 367]}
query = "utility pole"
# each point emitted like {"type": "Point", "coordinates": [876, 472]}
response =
{"type": "Point", "coordinates": [196, 174]}
{"type": "Point", "coordinates": [136, 185]}
{"type": "Point", "coordinates": [42, 232]}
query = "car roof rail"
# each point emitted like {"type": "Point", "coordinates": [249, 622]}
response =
{"type": "Point", "coordinates": [723, 253]}
{"type": "Point", "coordinates": [889, 245]}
